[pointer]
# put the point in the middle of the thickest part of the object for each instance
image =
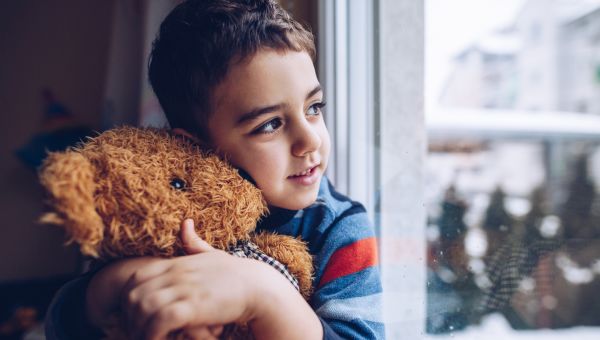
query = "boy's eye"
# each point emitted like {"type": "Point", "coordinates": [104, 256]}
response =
{"type": "Point", "coordinates": [269, 127]}
{"type": "Point", "coordinates": [315, 109]}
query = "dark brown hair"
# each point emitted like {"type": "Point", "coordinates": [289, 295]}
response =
{"type": "Point", "coordinates": [200, 39]}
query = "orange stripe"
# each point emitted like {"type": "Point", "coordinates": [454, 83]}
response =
{"type": "Point", "coordinates": [350, 259]}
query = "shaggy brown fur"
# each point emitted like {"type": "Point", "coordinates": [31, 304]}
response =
{"type": "Point", "coordinates": [125, 193]}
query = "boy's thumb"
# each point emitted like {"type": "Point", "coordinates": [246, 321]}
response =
{"type": "Point", "coordinates": [192, 243]}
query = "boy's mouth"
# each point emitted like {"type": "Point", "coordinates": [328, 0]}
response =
{"type": "Point", "coordinates": [304, 173]}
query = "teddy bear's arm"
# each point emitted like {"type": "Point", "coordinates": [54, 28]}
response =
{"type": "Point", "coordinates": [291, 252]}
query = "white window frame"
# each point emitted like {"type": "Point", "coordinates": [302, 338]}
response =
{"type": "Point", "coordinates": [347, 77]}
{"type": "Point", "coordinates": [371, 62]}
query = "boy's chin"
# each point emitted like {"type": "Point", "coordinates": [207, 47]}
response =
{"type": "Point", "coordinates": [298, 202]}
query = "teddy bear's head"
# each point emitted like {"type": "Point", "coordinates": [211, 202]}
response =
{"type": "Point", "coordinates": [127, 191]}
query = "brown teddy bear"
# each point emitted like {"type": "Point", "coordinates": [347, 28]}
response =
{"type": "Point", "coordinates": [126, 192]}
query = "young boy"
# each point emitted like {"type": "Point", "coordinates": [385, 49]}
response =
{"type": "Point", "coordinates": [238, 77]}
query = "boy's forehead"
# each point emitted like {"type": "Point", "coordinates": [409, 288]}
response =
{"type": "Point", "coordinates": [267, 77]}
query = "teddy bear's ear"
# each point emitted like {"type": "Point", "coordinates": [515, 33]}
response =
{"type": "Point", "coordinates": [69, 180]}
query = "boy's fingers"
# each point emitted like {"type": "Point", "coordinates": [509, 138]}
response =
{"type": "Point", "coordinates": [148, 303]}
{"type": "Point", "coordinates": [192, 243]}
{"type": "Point", "coordinates": [168, 319]}
{"type": "Point", "coordinates": [145, 274]}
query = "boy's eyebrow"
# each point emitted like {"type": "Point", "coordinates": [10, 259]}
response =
{"type": "Point", "coordinates": [258, 112]}
{"type": "Point", "coordinates": [251, 115]}
{"type": "Point", "coordinates": [314, 91]}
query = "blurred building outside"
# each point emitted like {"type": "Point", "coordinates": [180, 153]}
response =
{"type": "Point", "coordinates": [515, 127]}
{"type": "Point", "coordinates": [547, 60]}
{"type": "Point", "coordinates": [504, 94]}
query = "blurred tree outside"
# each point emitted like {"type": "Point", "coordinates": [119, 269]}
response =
{"type": "Point", "coordinates": [576, 215]}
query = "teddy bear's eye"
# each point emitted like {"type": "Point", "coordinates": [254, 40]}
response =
{"type": "Point", "coordinates": [178, 184]}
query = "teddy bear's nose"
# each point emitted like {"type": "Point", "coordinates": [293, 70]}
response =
{"type": "Point", "coordinates": [178, 184]}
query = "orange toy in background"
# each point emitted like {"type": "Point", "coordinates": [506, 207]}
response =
{"type": "Point", "coordinates": [126, 192]}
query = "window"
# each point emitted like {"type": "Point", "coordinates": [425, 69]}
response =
{"type": "Point", "coordinates": [373, 66]}
{"type": "Point", "coordinates": [512, 220]}
{"type": "Point", "coordinates": [492, 231]}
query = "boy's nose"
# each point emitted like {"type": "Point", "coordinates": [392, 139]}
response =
{"type": "Point", "coordinates": [306, 139]}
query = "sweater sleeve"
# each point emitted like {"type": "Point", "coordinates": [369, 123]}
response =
{"type": "Point", "coordinates": [66, 318]}
{"type": "Point", "coordinates": [348, 290]}
{"type": "Point", "coordinates": [328, 332]}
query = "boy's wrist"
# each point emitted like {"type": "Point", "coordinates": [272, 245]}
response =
{"type": "Point", "coordinates": [276, 310]}
{"type": "Point", "coordinates": [264, 289]}
{"type": "Point", "coordinates": [256, 276]}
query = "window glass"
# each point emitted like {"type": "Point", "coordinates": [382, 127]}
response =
{"type": "Point", "coordinates": [513, 168]}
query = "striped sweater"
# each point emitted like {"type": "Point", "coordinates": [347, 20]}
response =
{"type": "Point", "coordinates": [347, 284]}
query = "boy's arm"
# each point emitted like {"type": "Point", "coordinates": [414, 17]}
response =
{"type": "Point", "coordinates": [348, 285]}
{"type": "Point", "coordinates": [212, 288]}
{"type": "Point", "coordinates": [273, 307]}
{"type": "Point", "coordinates": [81, 306]}
{"type": "Point", "coordinates": [103, 293]}
{"type": "Point", "coordinates": [281, 312]}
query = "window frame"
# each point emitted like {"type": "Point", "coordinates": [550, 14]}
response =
{"type": "Point", "coordinates": [366, 51]}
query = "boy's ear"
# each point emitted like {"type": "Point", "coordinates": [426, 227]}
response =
{"type": "Point", "coordinates": [69, 180]}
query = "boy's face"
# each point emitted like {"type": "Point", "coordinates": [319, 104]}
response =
{"type": "Point", "coordinates": [267, 121]}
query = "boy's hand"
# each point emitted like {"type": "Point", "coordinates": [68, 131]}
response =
{"type": "Point", "coordinates": [207, 289]}
{"type": "Point", "coordinates": [103, 293]}
{"type": "Point", "coordinates": [195, 245]}
{"type": "Point", "coordinates": [199, 293]}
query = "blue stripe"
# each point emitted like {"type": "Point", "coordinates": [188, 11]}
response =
{"type": "Point", "coordinates": [366, 308]}
{"type": "Point", "coordinates": [360, 329]}
{"type": "Point", "coordinates": [365, 282]}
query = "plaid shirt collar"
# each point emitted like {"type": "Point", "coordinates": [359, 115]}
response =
{"type": "Point", "coordinates": [247, 249]}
